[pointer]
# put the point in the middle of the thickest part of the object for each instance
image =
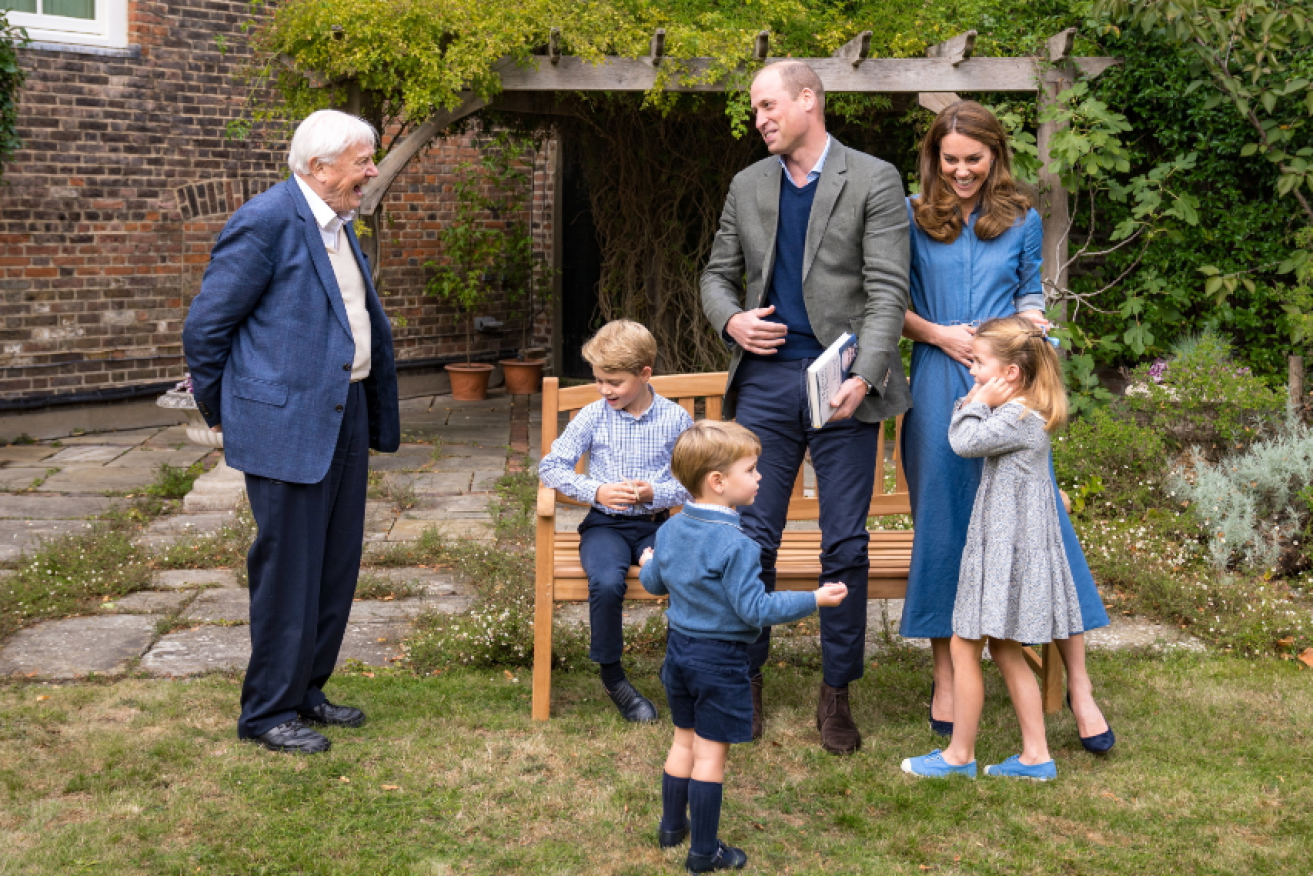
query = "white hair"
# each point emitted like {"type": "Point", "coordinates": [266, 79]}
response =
{"type": "Point", "coordinates": [325, 135]}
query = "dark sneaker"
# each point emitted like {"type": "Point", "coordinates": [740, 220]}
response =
{"type": "Point", "coordinates": [293, 736]}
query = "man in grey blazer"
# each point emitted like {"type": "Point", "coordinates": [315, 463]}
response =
{"type": "Point", "coordinates": [813, 242]}
{"type": "Point", "coordinates": [291, 358]}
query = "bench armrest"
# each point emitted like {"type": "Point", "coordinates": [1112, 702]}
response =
{"type": "Point", "coordinates": [546, 501]}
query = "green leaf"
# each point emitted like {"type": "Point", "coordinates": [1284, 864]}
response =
{"type": "Point", "coordinates": [1209, 270]}
{"type": "Point", "coordinates": [1212, 285]}
{"type": "Point", "coordinates": [1248, 149]}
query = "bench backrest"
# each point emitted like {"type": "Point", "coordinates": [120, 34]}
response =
{"type": "Point", "coordinates": [687, 390]}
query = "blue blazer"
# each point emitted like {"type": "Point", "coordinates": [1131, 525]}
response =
{"type": "Point", "coordinates": [270, 349]}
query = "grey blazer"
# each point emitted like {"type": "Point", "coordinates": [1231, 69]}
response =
{"type": "Point", "coordinates": [854, 270]}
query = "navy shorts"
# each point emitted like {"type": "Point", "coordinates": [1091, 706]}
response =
{"type": "Point", "coordinates": [707, 687]}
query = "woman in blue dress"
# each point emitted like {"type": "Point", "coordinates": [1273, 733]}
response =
{"type": "Point", "coordinates": [965, 271]}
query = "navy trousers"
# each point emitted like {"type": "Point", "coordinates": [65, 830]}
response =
{"type": "Point", "coordinates": [303, 568]}
{"type": "Point", "coordinates": [772, 402]}
{"type": "Point", "coordinates": [608, 546]}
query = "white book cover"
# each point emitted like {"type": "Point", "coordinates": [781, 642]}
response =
{"type": "Point", "coordinates": [827, 374]}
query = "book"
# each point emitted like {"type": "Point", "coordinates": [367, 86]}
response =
{"type": "Point", "coordinates": [827, 374]}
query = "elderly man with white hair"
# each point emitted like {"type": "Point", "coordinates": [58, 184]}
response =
{"type": "Point", "coordinates": [291, 359]}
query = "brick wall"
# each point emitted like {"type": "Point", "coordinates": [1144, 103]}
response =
{"type": "Point", "coordinates": [108, 213]}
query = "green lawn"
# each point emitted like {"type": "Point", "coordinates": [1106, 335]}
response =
{"type": "Point", "coordinates": [1210, 775]}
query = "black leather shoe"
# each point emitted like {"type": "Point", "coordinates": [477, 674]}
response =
{"type": "Point", "coordinates": [632, 705]}
{"type": "Point", "coordinates": [328, 715]}
{"type": "Point", "coordinates": [726, 858]}
{"type": "Point", "coordinates": [668, 839]}
{"type": "Point", "coordinates": [293, 736]}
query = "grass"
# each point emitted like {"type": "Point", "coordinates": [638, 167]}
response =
{"type": "Point", "coordinates": [450, 776]}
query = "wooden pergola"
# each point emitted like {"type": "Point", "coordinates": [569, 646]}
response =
{"type": "Point", "coordinates": [948, 68]}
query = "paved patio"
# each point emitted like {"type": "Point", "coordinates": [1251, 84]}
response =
{"type": "Point", "coordinates": [195, 621]}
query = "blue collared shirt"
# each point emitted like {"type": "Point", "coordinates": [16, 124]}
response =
{"type": "Point", "coordinates": [813, 174]}
{"type": "Point", "coordinates": [619, 446]}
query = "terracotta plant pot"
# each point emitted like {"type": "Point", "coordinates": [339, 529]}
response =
{"type": "Point", "coordinates": [523, 376]}
{"type": "Point", "coordinates": [469, 382]}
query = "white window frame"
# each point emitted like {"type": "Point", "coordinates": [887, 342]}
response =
{"type": "Point", "coordinates": [109, 29]}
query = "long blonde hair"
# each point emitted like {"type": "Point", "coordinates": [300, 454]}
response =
{"type": "Point", "coordinates": [1014, 340]}
{"type": "Point", "coordinates": [1002, 200]}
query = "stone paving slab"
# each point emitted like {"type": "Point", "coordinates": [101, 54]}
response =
{"type": "Point", "coordinates": [25, 454]}
{"type": "Point", "coordinates": [78, 646]}
{"type": "Point", "coordinates": [410, 530]}
{"type": "Point", "coordinates": [221, 605]}
{"type": "Point", "coordinates": [485, 436]}
{"type": "Point", "coordinates": [126, 438]}
{"type": "Point", "coordinates": [169, 438]}
{"type": "Point", "coordinates": [32, 506]}
{"type": "Point", "coordinates": [408, 457]}
{"type": "Point", "coordinates": [190, 524]}
{"type": "Point", "coordinates": [486, 481]}
{"type": "Point", "coordinates": [148, 602]}
{"type": "Point", "coordinates": [370, 611]}
{"type": "Point", "coordinates": [447, 482]}
{"type": "Point", "coordinates": [87, 453]}
{"type": "Point", "coordinates": [181, 579]}
{"type": "Point", "coordinates": [98, 479]}
{"type": "Point", "coordinates": [17, 536]}
{"type": "Point", "coordinates": [19, 478]}
{"type": "Point", "coordinates": [152, 459]}
{"type": "Point", "coordinates": [200, 649]}
{"type": "Point", "coordinates": [373, 644]}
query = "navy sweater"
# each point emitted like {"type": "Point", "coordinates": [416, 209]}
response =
{"type": "Point", "coordinates": [712, 572]}
{"type": "Point", "coordinates": [786, 279]}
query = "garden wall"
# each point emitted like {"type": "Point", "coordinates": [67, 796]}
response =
{"type": "Point", "coordinates": [108, 214]}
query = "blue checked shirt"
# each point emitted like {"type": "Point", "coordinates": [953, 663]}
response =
{"type": "Point", "coordinates": [619, 446]}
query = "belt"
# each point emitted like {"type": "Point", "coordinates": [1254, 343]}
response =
{"type": "Point", "coordinates": [653, 517]}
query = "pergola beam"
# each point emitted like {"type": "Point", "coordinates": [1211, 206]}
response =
{"type": "Point", "coordinates": [856, 50]}
{"type": "Point", "coordinates": [874, 75]}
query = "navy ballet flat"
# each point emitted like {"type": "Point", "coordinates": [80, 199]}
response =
{"type": "Point", "coordinates": [937, 727]}
{"type": "Point", "coordinates": [1099, 744]}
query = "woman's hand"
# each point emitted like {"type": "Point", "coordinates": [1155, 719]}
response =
{"type": "Point", "coordinates": [1037, 317]}
{"type": "Point", "coordinates": [955, 340]}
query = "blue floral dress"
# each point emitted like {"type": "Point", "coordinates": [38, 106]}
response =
{"type": "Point", "coordinates": [966, 281]}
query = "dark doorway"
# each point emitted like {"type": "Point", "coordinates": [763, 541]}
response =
{"type": "Point", "coordinates": [581, 261]}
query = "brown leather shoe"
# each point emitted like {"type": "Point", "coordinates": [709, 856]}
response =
{"type": "Point", "coordinates": [839, 735]}
{"type": "Point", "coordinates": [758, 710]}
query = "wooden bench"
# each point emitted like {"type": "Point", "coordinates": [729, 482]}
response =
{"type": "Point", "coordinates": [559, 575]}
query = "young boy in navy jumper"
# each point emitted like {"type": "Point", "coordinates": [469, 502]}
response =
{"type": "Point", "coordinates": [628, 435]}
{"type": "Point", "coordinates": [717, 609]}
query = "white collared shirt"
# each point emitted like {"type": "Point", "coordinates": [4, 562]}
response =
{"type": "Point", "coordinates": [815, 172]}
{"type": "Point", "coordinates": [329, 221]}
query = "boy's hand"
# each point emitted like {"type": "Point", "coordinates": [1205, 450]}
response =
{"type": "Point", "coordinates": [617, 497]}
{"type": "Point", "coordinates": [994, 392]}
{"type": "Point", "coordinates": [831, 594]}
{"type": "Point", "coordinates": [644, 557]}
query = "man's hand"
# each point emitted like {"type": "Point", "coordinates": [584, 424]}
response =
{"type": "Point", "coordinates": [643, 492]}
{"type": "Point", "coordinates": [755, 334]}
{"type": "Point", "coordinates": [216, 428]}
{"type": "Point", "coordinates": [830, 594]}
{"type": "Point", "coordinates": [848, 397]}
{"type": "Point", "coordinates": [955, 340]}
{"type": "Point", "coordinates": [618, 496]}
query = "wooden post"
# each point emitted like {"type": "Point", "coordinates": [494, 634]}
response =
{"type": "Point", "coordinates": [1053, 205]}
{"type": "Point", "coordinates": [1295, 368]}
{"type": "Point", "coordinates": [958, 49]}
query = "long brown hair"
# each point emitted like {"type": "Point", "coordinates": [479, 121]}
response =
{"type": "Point", "coordinates": [1014, 340]}
{"type": "Point", "coordinates": [1002, 200]}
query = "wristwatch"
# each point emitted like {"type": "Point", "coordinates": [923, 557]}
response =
{"type": "Point", "coordinates": [870, 387]}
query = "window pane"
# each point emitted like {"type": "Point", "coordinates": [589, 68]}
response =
{"type": "Point", "coordinates": [71, 8]}
{"type": "Point", "coordinates": [18, 5]}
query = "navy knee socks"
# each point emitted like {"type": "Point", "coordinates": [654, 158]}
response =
{"type": "Point", "coordinates": [674, 802]}
{"type": "Point", "coordinates": [704, 816]}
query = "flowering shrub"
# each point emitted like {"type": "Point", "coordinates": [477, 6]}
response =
{"type": "Point", "coordinates": [1107, 454]}
{"type": "Point", "coordinates": [1203, 398]}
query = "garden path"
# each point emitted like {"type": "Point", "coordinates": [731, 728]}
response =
{"type": "Point", "coordinates": [194, 621]}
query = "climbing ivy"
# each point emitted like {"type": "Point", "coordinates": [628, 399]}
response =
{"type": "Point", "coordinates": [12, 77]}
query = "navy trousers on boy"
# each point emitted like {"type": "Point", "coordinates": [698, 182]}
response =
{"type": "Point", "coordinates": [772, 402]}
{"type": "Point", "coordinates": [608, 545]}
{"type": "Point", "coordinates": [303, 568]}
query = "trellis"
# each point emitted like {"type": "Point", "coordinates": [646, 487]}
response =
{"type": "Point", "coordinates": [947, 69]}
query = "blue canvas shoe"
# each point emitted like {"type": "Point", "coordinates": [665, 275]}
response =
{"type": "Point", "coordinates": [933, 765]}
{"type": "Point", "coordinates": [1013, 768]}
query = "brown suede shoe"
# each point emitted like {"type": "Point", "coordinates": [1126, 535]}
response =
{"type": "Point", "coordinates": [758, 710]}
{"type": "Point", "coordinates": [839, 735]}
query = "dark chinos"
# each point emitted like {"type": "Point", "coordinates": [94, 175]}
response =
{"type": "Point", "coordinates": [772, 402]}
{"type": "Point", "coordinates": [303, 568]}
{"type": "Point", "coordinates": [608, 545]}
